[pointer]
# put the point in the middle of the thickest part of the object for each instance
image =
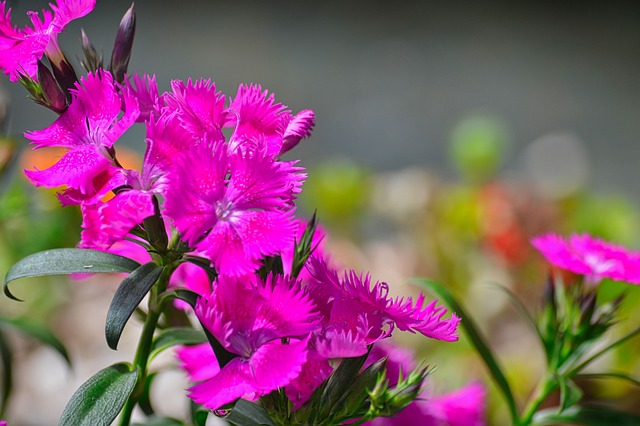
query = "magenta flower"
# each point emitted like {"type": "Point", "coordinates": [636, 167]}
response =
{"type": "Point", "coordinates": [106, 222]}
{"type": "Point", "coordinates": [353, 304]}
{"type": "Point", "coordinates": [199, 108]}
{"type": "Point", "coordinates": [266, 324]}
{"type": "Point", "coordinates": [145, 90]}
{"type": "Point", "coordinates": [594, 258]}
{"type": "Point", "coordinates": [89, 128]}
{"type": "Point", "coordinates": [234, 209]}
{"type": "Point", "coordinates": [20, 49]}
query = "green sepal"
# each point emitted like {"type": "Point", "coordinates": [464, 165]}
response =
{"type": "Point", "coordinates": [247, 413]}
{"type": "Point", "coordinates": [176, 336]}
{"type": "Point", "coordinates": [99, 400]}
{"type": "Point", "coordinates": [127, 298]}
{"type": "Point", "coordinates": [67, 261]}
{"type": "Point", "coordinates": [39, 332]}
{"type": "Point", "coordinates": [478, 341]}
{"type": "Point", "coordinates": [586, 416]}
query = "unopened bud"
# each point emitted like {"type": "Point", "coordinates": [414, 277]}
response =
{"type": "Point", "coordinates": [122, 47]}
{"type": "Point", "coordinates": [62, 70]}
{"type": "Point", "coordinates": [53, 96]}
{"type": "Point", "coordinates": [93, 60]}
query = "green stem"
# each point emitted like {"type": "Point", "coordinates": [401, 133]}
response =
{"type": "Point", "coordinates": [544, 388]}
{"type": "Point", "coordinates": [141, 358]}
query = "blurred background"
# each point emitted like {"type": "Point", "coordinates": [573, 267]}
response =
{"type": "Point", "coordinates": [447, 135]}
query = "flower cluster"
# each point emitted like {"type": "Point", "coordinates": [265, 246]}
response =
{"type": "Point", "coordinates": [212, 177]}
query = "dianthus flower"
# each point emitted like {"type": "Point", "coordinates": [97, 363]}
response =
{"type": "Point", "coordinates": [594, 258]}
{"type": "Point", "coordinates": [20, 49]}
{"type": "Point", "coordinates": [233, 208]}
{"type": "Point", "coordinates": [353, 305]}
{"type": "Point", "coordinates": [88, 128]}
{"type": "Point", "coordinates": [266, 324]}
{"type": "Point", "coordinates": [106, 222]}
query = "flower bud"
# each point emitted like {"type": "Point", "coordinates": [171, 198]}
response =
{"type": "Point", "coordinates": [53, 96]}
{"type": "Point", "coordinates": [122, 47]}
{"type": "Point", "coordinates": [62, 70]}
{"type": "Point", "coordinates": [93, 60]}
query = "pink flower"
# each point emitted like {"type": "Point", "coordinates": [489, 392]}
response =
{"type": "Point", "coordinates": [234, 209]}
{"type": "Point", "coordinates": [594, 258]}
{"type": "Point", "coordinates": [266, 324]}
{"type": "Point", "coordinates": [145, 90]}
{"type": "Point", "coordinates": [353, 304]}
{"type": "Point", "coordinates": [20, 49]}
{"type": "Point", "coordinates": [89, 128]}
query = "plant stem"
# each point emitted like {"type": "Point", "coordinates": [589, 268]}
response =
{"type": "Point", "coordinates": [544, 388]}
{"type": "Point", "coordinates": [141, 358]}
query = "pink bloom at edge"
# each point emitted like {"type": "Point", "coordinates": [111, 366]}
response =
{"type": "Point", "coordinates": [266, 324]}
{"type": "Point", "coordinates": [594, 258]}
{"type": "Point", "coordinates": [20, 49]}
{"type": "Point", "coordinates": [89, 128]}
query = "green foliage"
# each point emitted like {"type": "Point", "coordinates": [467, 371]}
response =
{"type": "Point", "coordinates": [99, 400]}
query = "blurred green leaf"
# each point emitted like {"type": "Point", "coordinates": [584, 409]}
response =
{"type": "Point", "coordinates": [587, 416]}
{"type": "Point", "coordinates": [160, 421]}
{"type": "Point", "coordinates": [6, 357]}
{"type": "Point", "coordinates": [127, 298]}
{"type": "Point", "coordinates": [40, 332]}
{"type": "Point", "coordinates": [144, 402]}
{"type": "Point", "coordinates": [176, 336]}
{"type": "Point", "coordinates": [67, 261]}
{"type": "Point", "coordinates": [100, 399]}
{"type": "Point", "coordinates": [570, 393]}
{"type": "Point", "coordinates": [478, 342]}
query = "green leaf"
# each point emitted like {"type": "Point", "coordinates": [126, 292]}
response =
{"type": "Point", "coordinates": [587, 416]}
{"type": "Point", "coordinates": [6, 357]}
{"type": "Point", "coordinates": [99, 400]}
{"type": "Point", "coordinates": [67, 261]}
{"type": "Point", "coordinates": [570, 393]}
{"type": "Point", "coordinates": [127, 298]}
{"type": "Point", "coordinates": [610, 375]}
{"type": "Point", "coordinates": [478, 341]}
{"type": "Point", "coordinates": [188, 296]}
{"type": "Point", "coordinates": [144, 401]}
{"type": "Point", "coordinates": [176, 336]}
{"type": "Point", "coordinates": [40, 332]}
{"type": "Point", "coordinates": [247, 413]}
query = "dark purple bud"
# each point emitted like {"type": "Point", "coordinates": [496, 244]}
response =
{"type": "Point", "coordinates": [587, 307]}
{"type": "Point", "coordinates": [54, 97]}
{"type": "Point", "coordinates": [92, 59]}
{"type": "Point", "coordinates": [62, 70]}
{"type": "Point", "coordinates": [122, 47]}
{"type": "Point", "coordinates": [549, 294]}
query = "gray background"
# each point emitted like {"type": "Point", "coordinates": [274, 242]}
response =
{"type": "Point", "coordinates": [388, 80]}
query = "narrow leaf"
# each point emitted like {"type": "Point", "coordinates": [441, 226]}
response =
{"type": "Point", "coordinates": [144, 401]}
{"type": "Point", "coordinates": [6, 357]}
{"type": "Point", "coordinates": [176, 336]}
{"type": "Point", "coordinates": [127, 298]}
{"type": "Point", "coordinates": [247, 413]}
{"type": "Point", "coordinates": [99, 400]}
{"type": "Point", "coordinates": [67, 261]}
{"type": "Point", "coordinates": [587, 416]}
{"type": "Point", "coordinates": [40, 332]}
{"type": "Point", "coordinates": [478, 341]}
{"type": "Point", "coordinates": [610, 375]}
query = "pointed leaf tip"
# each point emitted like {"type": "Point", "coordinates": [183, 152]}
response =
{"type": "Point", "coordinates": [67, 261]}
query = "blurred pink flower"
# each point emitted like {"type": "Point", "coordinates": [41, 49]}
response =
{"type": "Point", "coordinates": [20, 49]}
{"type": "Point", "coordinates": [594, 258]}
